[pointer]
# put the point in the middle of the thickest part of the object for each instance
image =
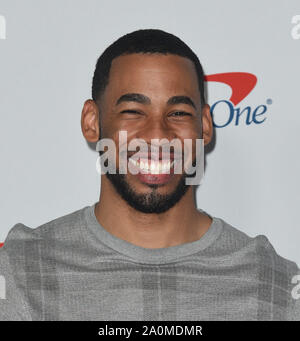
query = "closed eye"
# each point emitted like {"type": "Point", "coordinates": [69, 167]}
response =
{"type": "Point", "coordinates": [130, 112]}
{"type": "Point", "coordinates": [180, 113]}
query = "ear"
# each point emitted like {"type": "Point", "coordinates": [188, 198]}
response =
{"type": "Point", "coordinates": [90, 121]}
{"type": "Point", "coordinates": [207, 124]}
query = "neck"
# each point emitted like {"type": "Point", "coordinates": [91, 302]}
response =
{"type": "Point", "coordinates": [182, 223]}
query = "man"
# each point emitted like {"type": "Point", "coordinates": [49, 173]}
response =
{"type": "Point", "coordinates": [144, 251]}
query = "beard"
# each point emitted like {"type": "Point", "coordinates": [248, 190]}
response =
{"type": "Point", "coordinates": [152, 202]}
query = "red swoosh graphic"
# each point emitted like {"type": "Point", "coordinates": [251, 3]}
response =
{"type": "Point", "coordinates": [241, 83]}
{"type": "Point", "coordinates": [1, 244]}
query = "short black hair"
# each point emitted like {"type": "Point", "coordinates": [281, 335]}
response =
{"type": "Point", "coordinates": [143, 41]}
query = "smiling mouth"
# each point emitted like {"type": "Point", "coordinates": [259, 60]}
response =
{"type": "Point", "coordinates": [149, 166]}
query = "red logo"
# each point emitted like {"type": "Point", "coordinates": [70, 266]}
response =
{"type": "Point", "coordinates": [241, 83]}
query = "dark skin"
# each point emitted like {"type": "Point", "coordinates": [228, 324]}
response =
{"type": "Point", "coordinates": [159, 77]}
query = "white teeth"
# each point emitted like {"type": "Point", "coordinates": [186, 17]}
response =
{"type": "Point", "coordinates": [144, 165]}
{"type": "Point", "coordinates": [166, 166]}
{"type": "Point", "coordinates": [134, 162]}
{"type": "Point", "coordinates": [160, 167]}
{"type": "Point", "coordinates": [154, 167]}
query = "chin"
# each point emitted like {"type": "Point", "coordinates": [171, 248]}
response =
{"type": "Point", "coordinates": [158, 199]}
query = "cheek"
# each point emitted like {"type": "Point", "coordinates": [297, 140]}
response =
{"type": "Point", "coordinates": [113, 127]}
{"type": "Point", "coordinates": [190, 132]}
{"type": "Point", "coordinates": [189, 143]}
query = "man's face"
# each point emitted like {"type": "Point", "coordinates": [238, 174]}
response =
{"type": "Point", "coordinates": [155, 79]}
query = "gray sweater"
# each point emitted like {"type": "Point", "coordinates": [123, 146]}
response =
{"type": "Point", "coordinates": [71, 268]}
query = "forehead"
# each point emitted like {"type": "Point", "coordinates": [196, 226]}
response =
{"type": "Point", "coordinates": [155, 73]}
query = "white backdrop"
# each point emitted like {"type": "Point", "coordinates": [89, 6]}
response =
{"type": "Point", "coordinates": [48, 51]}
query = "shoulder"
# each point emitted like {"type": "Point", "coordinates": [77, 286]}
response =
{"type": "Point", "coordinates": [233, 239]}
{"type": "Point", "coordinates": [277, 278]}
{"type": "Point", "coordinates": [55, 228]}
{"type": "Point", "coordinates": [30, 248]}
{"type": "Point", "coordinates": [29, 254]}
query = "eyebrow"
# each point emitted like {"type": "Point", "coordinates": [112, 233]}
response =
{"type": "Point", "coordinates": [139, 98]}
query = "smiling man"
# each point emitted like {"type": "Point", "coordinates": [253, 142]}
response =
{"type": "Point", "coordinates": [144, 251]}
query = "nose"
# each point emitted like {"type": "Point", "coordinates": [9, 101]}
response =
{"type": "Point", "coordinates": [156, 128]}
